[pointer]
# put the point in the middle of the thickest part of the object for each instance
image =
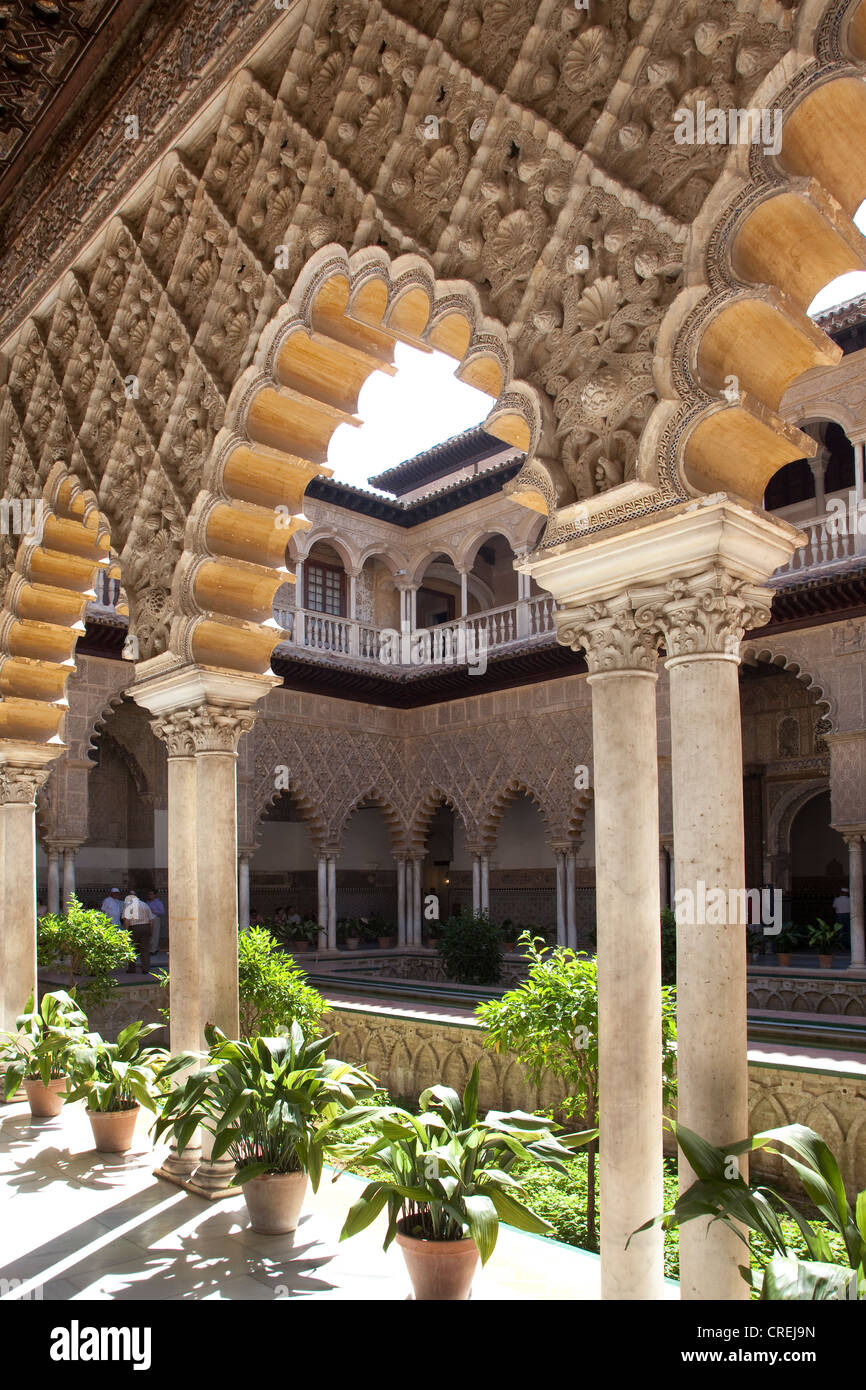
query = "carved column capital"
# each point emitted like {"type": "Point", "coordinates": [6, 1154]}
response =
{"type": "Point", "coordinates": [610, 635]}
{"type": "Point", "coordinates": [20, 785]}
{"type": "Point", "coordinates": [205, 728]}
{"type": "Point", "coordinates": [705, 614]}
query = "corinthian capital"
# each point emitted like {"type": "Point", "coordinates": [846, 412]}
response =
{"type": "Point", "coordinates": [609, 635]}
{"type": "Point", "coordinates": [21, 784]}
{"type": "Point", "coordinates": [705, 614]}
{"type": "Point", "coordinates": [206, 728]}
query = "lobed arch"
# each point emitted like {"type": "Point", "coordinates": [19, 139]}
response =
{"type": "Point", "coordinates": [341, 322]}
{"type": "Point", "coordinates": [43, 608]}
{"type": "Point", "coordinates": [773, 231]}
{"type": "Point", "coordinates": [372, 797]}
{"type": "Point", "coordinates": [578, 813]}
{"type": "Point", "coordinates": [423, 815]}
{"type": "Point", "coordinates": [419, 566]}
{"type": "Point", "coordinates": [499, 803]}
{"type": "Point", "coordinates": [324, 534]}
{"type": "Point", "coordinates": [309, 808]}
{"type": "Point", "coordinates": [753, 654]}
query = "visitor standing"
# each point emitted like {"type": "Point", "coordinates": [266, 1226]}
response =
{"type": "Point", "coordinates": [138, 919]}
{"type": "Point", "coordinates": [157, 907]}
{"type": "Point", "coordinates": [112, 906]}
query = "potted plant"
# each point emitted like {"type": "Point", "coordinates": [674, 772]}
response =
{"type": "Point", "coordinates": [755, 938]}
{"type": "Point", "coordinates": [303, 935]}
{"type": "Point", "coordinates": [353, 933]}
{"type": "Point", "coordinates": [115, 1080]}
{"type": "Point", "coordinates": [788, 938]}
{"type": "Point", "coordinates": [386, 935]}
{"type": "Point", "coordinates": [444, 1176]}
{"type": "Point", "coordinates": [38, 1051]}
{"type": "Point", "coordinates": [823, 936]}
{"type": "Point", "coordinates": [275, 1106]}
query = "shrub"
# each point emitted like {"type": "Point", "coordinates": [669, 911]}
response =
{"type": "Point", "coordinates": [550, 1021]}
{"type": "Point", "coordinates": [470, 949]}
{"type": "Point", "coordinates": [273, 992]}
{"type": "Point", "coordinates": [669, 947]}
{"type": "Point", "coordinates": [88, 944]}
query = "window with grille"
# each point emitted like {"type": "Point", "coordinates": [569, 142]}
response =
{"type": "Point", "coordinates": [324, 586]}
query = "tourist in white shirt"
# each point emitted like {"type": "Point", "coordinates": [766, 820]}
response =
{"type": "Point", "coordinates": [112, 906]}
{"type": "Point", "coordinates": [138, 919]}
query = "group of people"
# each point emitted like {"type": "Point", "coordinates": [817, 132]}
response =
{"type": "Point", "coordinates": [287, 916]}
{"type": "Point", "coordinates": [143, 919]}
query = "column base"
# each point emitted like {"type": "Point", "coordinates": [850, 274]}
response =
{"type": "Point", "coordinates": [208, 1180]}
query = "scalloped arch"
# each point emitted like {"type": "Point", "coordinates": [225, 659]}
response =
{"type": "Point", "coordinates": [753, 654]}
{"type": "Point", "coordinates": [426, 810]}
{"type": "Point", "coordinates": [43, 608]}
{"type": "Point", "coordinates": [373, 797]}
{"type": "Point", "coordinates": [515, 787]}
{"type": "Point", "coordinates": [312, 814]}
{"type": "Point", "coordinates": [341, 323]}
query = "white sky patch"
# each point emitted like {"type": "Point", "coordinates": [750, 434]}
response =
{"type": "Point", "coordinates": [423, 405]}
{"type": "Point", "coordinates": [844, 287]}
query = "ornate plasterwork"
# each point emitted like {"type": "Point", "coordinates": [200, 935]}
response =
{"type": "Point", "coordinates": [20, 785]}
{"type": "Point", "coordinates": [706, 614]}
{"type": "Point", "coordinates": [207, 728]}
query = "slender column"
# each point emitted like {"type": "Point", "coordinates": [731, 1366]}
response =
{"type": "Point", "coordinates": [19, 785]}
{"type": "Point", "coordinates": [859, 483]}
{"type": "Point", "coordinates": [322, 915]}
{"type": "Point", "coordinates": [622, 662]}
{"type": "Point", "coordinates": [485, 883]}
{"type": "Point", "coordinates": [68, 874]}
{"type": "Point", "coordinates": [417, 885]}
{"type": "Point", "coordinates": [401, 901]}
{"type": "Point", "coordinates": [464, 593]}
{"type": "Point", "coordinates": [855, 874]}
{"type": "Point", "coordinates": [818, 465]}
{"type": "Point", "coordinates": [702, 628]}
{"type": "Point", "coordinates": [571, 899]}
{"type": "Point", "coordinates": [54, 880]}
{"type": "Point", "coordinates": [561, 917]}
{"type": "Point", "coordinates": [332, 902]}
{"type": "Point", "coordinates": [476, 885]}
{"type": "Point", "coordinates": [243, 891]}
{"type": "Point", "coordinates": [412, 607]}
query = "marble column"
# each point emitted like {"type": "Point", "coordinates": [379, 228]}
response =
{"type": "Point", "coordinates": [201, 715]}
{"type": "Point", "coordinates": [322, 910]}
{"type": "Point", "coordinates": [332, 902]}
{"type": "Point", "coordinates": [561, 915]}
{"type": "Point", "coordinates": [53, 892]}
{"type": "Point", "coordinates": [19, 785]}
{"type": "Point", "coordinates": [571, 899]}
{"type": "Point", "coordinates": [69, 852]}
{"type": "Point", "coordinates": [702, 627]}
{"type": "Point", "coordinates": [464, 593]}
{"type": "Point", "coordinates": [401, 901]}
{"type": "Point", "coordinates": [243, 891]}
{"type": "Point", "coordinates": [417, 895]}
{"type": "Point", "coordinates": [622, 662]}
{"type": "Point", "coordinates": [855, 875]}
{"type": "Point", "coordinates": [485, 884]}
{"type": "Point", "coordinates": [476, 885]}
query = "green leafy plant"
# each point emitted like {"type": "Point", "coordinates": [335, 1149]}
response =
{"type": "Point", "coordinates": [118, 1075]}
{"type": "Point", "coordinates": [823, 936]}
{"type": "Point", "coordinates": [470, 948]}
{"type": "Point", "coordinates": [89, 946]}
{"type": "Point", "coordinates": [789, 938]}
{"type": "Point", "coordinates": [39, 1049]}
{"type": "Point", "coordinates": [273, 991]}
{"type": "Point", "coordinates": [274, 1105]}
{"type": "Point", "coordinates": [722, 1194]}
{"type": "Point", "coordinates": [550, 1022]}
{"type": "Point", "coordinates": [445, 1173]}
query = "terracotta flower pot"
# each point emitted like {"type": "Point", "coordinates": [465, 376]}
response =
{"type": "Point", "coordinates": [825, 962]}
{"type": "Point", "coordinates": [46, 1102]}
{"type": "Point", "coordinates": [113, 1129]}
{"type": "Point", "coordinates": [353, 942]}
{"type": "Point", "coordinates": [386, 942]}
{"type": "Point", "coordinates": [783, 957]}
{"type": "Point", "coordinates": [440, 1270]}
{"type": "Point", "coordinates": [298, 947]}
{"type": "Point", "coordinates": [274, 1202]}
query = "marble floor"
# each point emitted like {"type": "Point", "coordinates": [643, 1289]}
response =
{"type": "Point", "coordinates": [77, 1225]}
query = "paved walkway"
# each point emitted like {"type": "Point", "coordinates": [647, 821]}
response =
{"type": "Point", "coordinates": [77, 1225]}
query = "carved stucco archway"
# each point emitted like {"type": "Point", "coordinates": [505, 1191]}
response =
{"type": "Point", "coordinates": [773, 231]}
{"type": "Point", "coordinates": [781, 817]}
{"type": "Point", "coordinates": [755, 653]}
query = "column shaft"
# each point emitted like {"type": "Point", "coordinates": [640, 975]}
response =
{"type": "Point", "coordinates": [629, 980]}
{"type": "Point", "coordinates": [53, 893]}
{"type": "Point", "coordinates": [561, 923]}
{"type": "Point", "coordinates": [244, 891]}
{"type": "Point", "coordinates": [713, 1078]}
{"type": "Point", "coordinates": [571, 899]}
{"type": "Point", "coordinates": [417, 884]}
{"type": "Point", "coordinates": [476, 885]}
{"type": "Point", "coordinates": [401, 901]}
{"type": "Point", "coordinates": [855, 862]}
{"type": "Point", "coordinates": [19, 909]}
{"type": "Point", "coordinates": [332, 903]}
{"type": "Point", "coordinates": [68, 874]}
{"type": "Point", "coordinates": [485, 883]}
